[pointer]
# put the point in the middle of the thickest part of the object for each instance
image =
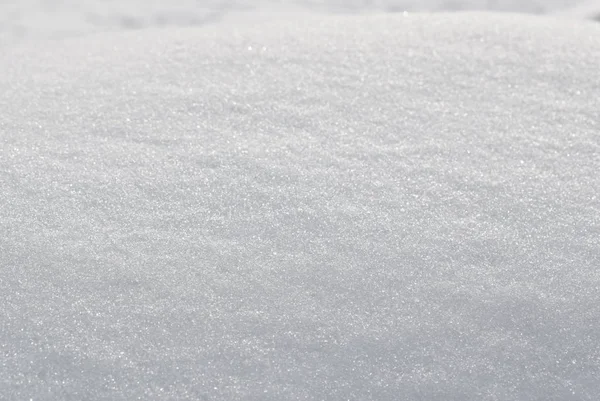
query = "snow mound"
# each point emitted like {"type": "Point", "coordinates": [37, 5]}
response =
{"type": "Point", "coordinates": [364, 208]}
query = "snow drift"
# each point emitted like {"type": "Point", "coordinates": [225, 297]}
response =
{"type": "Point", "coordinates": [365, 208]}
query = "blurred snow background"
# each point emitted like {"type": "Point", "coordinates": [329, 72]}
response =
{"type": "Point", "coordinates": [21, 19]}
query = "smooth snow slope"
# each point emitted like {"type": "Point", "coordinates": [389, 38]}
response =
{"type": "Point", "coordinates": [339, 208]}
{"type": "Point", "coordinates": [27, 19]}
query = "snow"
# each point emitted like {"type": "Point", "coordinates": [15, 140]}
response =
{"type": "Point", "coordinates": [381, 207]}
{"type": "Point", "coordinates": [26, 19]}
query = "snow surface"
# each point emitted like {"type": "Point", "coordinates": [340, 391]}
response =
{"type": "Point", "coordinates": [25, 19]}
{"type": "Point", "coordinates": [339, 208]}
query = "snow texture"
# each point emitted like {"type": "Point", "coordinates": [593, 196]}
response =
{"type": "Point", "coordinates": [393, 207]}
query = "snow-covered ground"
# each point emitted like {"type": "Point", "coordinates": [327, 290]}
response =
{"type": "Point", "coordinates": [317, 207]}
{"type": "Point", "coordinates": [26, 19]}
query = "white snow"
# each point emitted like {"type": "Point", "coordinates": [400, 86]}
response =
{"type": "Point", "coordinates": [390, 207]}
{"type": "Point", "coordinates": [26, 19]}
